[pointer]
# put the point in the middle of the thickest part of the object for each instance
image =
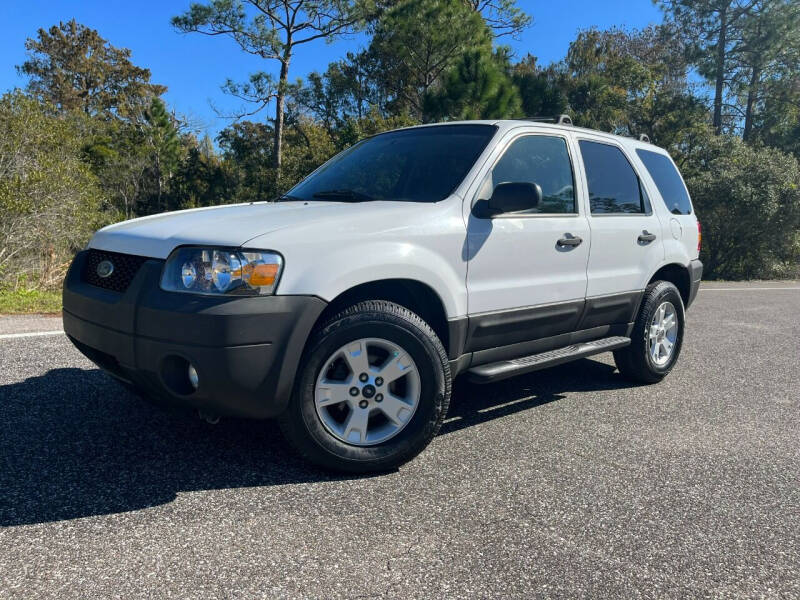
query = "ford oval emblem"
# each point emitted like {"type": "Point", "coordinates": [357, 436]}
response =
{"type": "Point", "coordinates": [105, 269]}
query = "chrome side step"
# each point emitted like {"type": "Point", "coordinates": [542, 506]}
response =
{"type": "Point", "coordinates": [534, 362]}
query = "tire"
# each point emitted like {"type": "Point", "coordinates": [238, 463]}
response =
{"type": "Point", "coordinates": [637, 361]}
{"type": "Point", "coordinates": [313, 429]}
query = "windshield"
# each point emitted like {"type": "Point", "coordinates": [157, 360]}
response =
{"type": "Point", "coordinates": [423, 164]}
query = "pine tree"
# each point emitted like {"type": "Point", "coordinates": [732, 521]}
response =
{"type": "Point", "coordinates": [74, 68]}
{"type": "Point", "coordinates": [712, 30]}
{"type": "Point", "coordinates": [165, 146]}
{"type": "Point", "coordinates": [273, 30]}
{"type": "Point", "coordinates": [417, 42]}
{"type": "Point", "coordinates": [476, 88]}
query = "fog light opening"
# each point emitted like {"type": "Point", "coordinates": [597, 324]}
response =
{"type": "Point", "coordinates": [179, 375]}
{"type": "Point", "coordinates": [208, 417]}
{"type": "Point", "coordinates": [193, 379]}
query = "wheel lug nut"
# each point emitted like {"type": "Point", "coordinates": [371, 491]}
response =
{"type": "Point", "coordinates": [354, 391]}
{"type": "Point", "coordinates": [379, 381]}
{"type": "Point", "coordinates": [363, 404]}
{"type": "Point", "coordinates": [363, 377]}
{"type": "Point", "coordinates": [379, 398]}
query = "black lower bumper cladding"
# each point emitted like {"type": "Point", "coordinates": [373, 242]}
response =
{"type": "Point", "coordinates": [695, 275]}
{"type": "Point", "coordinates": [245, 350]}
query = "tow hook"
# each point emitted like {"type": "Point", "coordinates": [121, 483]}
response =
{"type": "Point", "coordinates": [210, 418]}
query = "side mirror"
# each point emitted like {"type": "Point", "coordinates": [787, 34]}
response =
{"type": "Point", "coordinates": [514, 196]}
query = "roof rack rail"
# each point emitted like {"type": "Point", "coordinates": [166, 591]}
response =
{"type": "Point", "coordinates": [643, 137]}
{"type": "Point", "coordinates": [558, 119]}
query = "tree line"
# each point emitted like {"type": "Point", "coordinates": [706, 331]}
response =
{"type": "Point", "coordinates": [90, 141]}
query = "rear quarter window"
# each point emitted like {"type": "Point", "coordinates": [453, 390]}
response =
{"type": "Point", "coordinates": [668, 181]}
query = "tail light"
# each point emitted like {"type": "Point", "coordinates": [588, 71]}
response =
{"type": "Point", "coordinates": [699, 236]}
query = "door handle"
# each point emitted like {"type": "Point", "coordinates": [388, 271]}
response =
{"type": "Point", "coordinates": [570, 241]}
{"type": "Point", "coordinates": [646, 237]}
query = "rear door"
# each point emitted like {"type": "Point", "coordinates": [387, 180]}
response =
{"type": "Point", "coordinates": [680, 236]}
{"type": "Point", "coordinates": [626, 233]}
{"type": "Point", "coordinates": [523, 284]}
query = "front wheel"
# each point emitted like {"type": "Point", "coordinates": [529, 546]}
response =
{"type": "Point", "coordinates": [657, 335]}
{"type": "Point", "coordinates": [372, 390]}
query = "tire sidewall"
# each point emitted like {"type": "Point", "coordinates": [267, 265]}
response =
{"type": "Point", "coordinates": [426, 417]}
{"type": "Point", "coordinates": [665, 292]}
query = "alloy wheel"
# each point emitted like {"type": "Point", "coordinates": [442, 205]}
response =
{"type": "Point", "coordinates": [367, 391]}
{"type": "Point", "coordinates": [663, 333]}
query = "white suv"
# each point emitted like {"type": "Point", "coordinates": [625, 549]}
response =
{"type": "Point", "coordinates": [346, 307]}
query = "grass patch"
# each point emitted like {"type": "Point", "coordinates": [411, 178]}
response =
{"type": "Point", "coordinates": [29, 301]}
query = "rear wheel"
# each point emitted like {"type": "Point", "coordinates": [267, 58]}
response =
{"type": "Point", "coordinates": [657, 335]}
{"type": "Point", "coordinates": [372, 390]}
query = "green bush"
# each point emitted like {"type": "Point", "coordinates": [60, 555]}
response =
{"type": "Point", "coordinates": [748, 201]}
{"type": "Point", "coordinates": [49, 199]}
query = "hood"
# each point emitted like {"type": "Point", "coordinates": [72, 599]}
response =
{"type": "Point", "coordinates": [233, 225]}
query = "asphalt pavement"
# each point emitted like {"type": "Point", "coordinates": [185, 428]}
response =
{"type": "Point", "coordinates": [568, 483]}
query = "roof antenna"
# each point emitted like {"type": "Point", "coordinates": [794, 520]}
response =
{"type": "Point", "coordinates": [643, 137]}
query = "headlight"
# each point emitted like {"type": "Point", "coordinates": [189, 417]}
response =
{"type": "Point", "coordinates": [216, 271]}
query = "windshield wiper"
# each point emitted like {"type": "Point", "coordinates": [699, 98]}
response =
{"type": "Point", "coordinates": [345, 195]}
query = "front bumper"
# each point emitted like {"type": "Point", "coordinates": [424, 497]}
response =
{"type": "Point", "coordinates": [245, 349]}
{"type": "Point", "coordinates": [695, 275]}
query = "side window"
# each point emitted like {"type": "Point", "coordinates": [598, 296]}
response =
{"type": "Point", "coordinates": [668, 182]}
{"type": "Point", "coordinates": [614, 187]}
{"type": "Point", "coordinates": [537, 159]}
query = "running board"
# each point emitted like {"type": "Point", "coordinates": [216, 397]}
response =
{"type": "Point", "coordinates": [551, 358]}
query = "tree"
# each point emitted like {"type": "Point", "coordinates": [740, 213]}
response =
{"type": "Point", "coordinates": [417, 41]}
{"type": "Point", "coordinates": [542, 92]}
{"type": "Point", "coordinates": [769, 54]}
{"type": "Point", "coordinates": [630, 82]}
{"type": "Point", "coordinates": [165, 145]}
{"type": "Point", "coordinates": [476, 88]}
{"type": "Point", "coordinates": [247, 156]}
{"type": "Point", "coordinates": [202, 179]}
{"type": "Point", "coordinates": [778, 124]}
{"type": "Point", "coordinates": [372, 123]}
{"type": "Point", "coordinates": [347, 89]}
{"type": "Point", "coordinates": [135, 161]}
{"type": "Point", "coordinates": [273, 30]}
{"type": "Point", "coordinates": [712, 29]}
{"type": "Point", "coordinates": [308, 146]}
{"type": "Point", "coordinates": [600, 79]}
{"type": "Point", "coordinates": [247, 150]}
{"type": "Point", "coordinates": [121, 159]}
{"type": "Point", "coordinates": [74, 68]}
{"type": "Point", "coordinates": [504, 17]}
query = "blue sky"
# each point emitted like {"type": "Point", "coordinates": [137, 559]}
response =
{"type": "Point", "coordinates": [193, 66]}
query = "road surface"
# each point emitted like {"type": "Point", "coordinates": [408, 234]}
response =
{"type": "Point", "coordinates": [565, 483]}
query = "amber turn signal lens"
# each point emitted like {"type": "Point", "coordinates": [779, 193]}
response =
{"type": "Point", "coordinates": [262, 275]}
{"type": "Point", "coordinates": [699, 236]}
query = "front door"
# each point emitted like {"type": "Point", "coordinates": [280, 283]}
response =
{"type": "Point", "coordinates": [526, 271]}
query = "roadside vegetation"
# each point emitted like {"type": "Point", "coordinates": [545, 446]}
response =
{"type": "Point", "coordinates": [29, 301]}
{"type": "Point", "coordinates": [89, 140]}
